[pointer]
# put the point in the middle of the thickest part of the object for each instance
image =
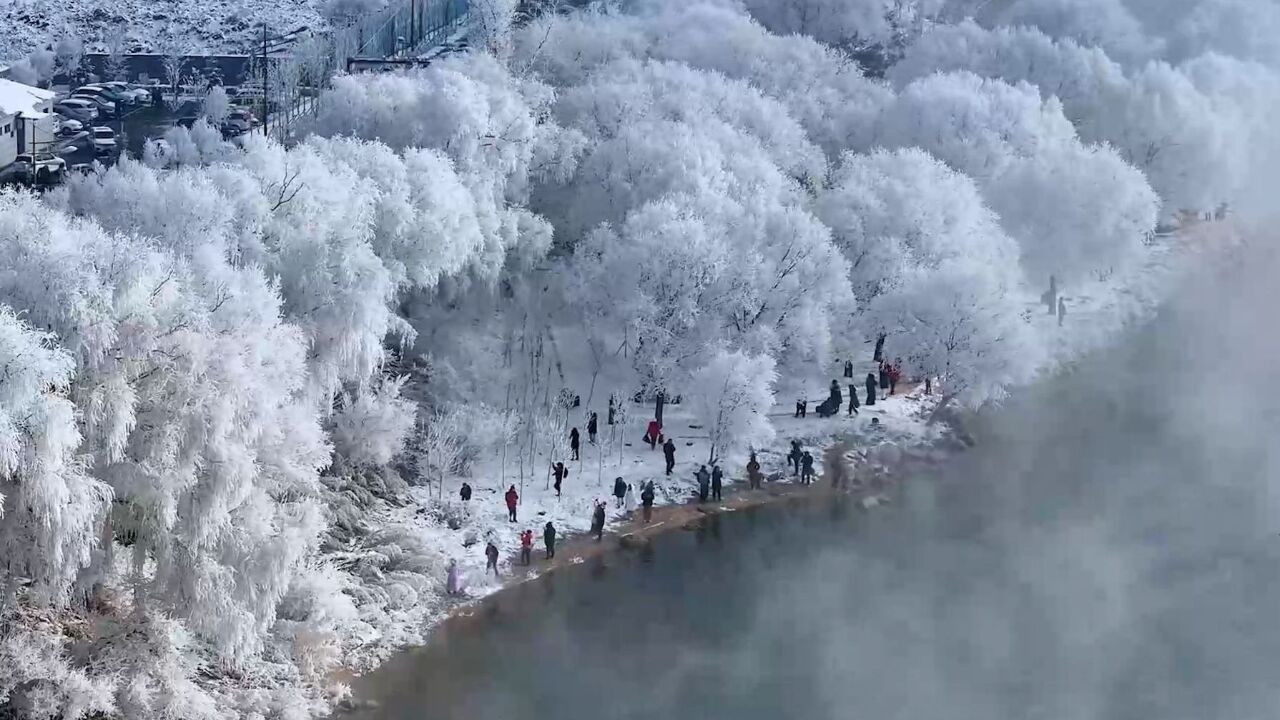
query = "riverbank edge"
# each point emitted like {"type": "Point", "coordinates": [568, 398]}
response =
{"type": "Point", "coordinates": [578, 548]}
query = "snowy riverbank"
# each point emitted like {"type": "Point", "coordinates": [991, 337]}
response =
{"type": "Point", "coordinates": [900, 422]}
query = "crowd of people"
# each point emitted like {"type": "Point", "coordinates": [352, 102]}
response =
{"type": "Point", "coordinates": [709, 481]}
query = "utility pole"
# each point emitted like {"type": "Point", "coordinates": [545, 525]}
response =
{"type": "Point", "coordinates": [266, 105]}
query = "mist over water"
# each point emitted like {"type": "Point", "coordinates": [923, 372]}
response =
{"type": "Point", "coordinates": [1109, 551]}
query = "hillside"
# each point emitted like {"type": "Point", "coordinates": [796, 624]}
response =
{"type": "Point", "coordinates": [210, 26]}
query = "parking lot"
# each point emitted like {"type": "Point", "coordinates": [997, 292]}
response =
{"type": "Point", "coordinates": [133, 128]}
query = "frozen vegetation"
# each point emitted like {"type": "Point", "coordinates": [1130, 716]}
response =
{"type": "Point", "coordinates": [243, 385]}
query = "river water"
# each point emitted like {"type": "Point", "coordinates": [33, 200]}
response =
{"type": "Point", "coordinates": [1108, 551]}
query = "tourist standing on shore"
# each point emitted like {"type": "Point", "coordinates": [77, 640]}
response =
{"type": "Point", "coordinates": [491, 552]}
{"type": "Point", "coordinates": [704, 483]}
{"type": "Point", "coordinates": [669, 452]}
{"type": "Point", "coordinates": [806, 469]}
{"type": "Point", "coordinates": [629, 501]}
{"type": "Point", "coordinates": [646, 499]}
{"type": "Point", "coordinates": [560, 472]}
{"type": "Point", "coordinates": [452, 580]}
{"type": "Point", "coordinates": [619, 491]}
{"type": "Point", "coordinates": [853, 399]}
{"type": "Point", "coordinates": [753, 472]}
{"type": "Point", "coordinates": [793, 457]}
{"type": "Point", "coordinates": [574, 444]}
{"type": "Point", "coordinates": [513, 499]}
{"type": "Point", "coordinates": [526, 546]}
{"type": "Point", "coordinates": [653, 434]}
{"type": "Point", "coordinates": [465, 492]}
{"type": "Point", "coordinates": [717, 482]}
{"type": "Point", "coordinates": [871, 389]}
{"type": "Point", "coordinates": [593, 427]}
{"type": "Point", "coordinates": [597, 521]}
{"type": "Point", "coordinates": [549, 539]}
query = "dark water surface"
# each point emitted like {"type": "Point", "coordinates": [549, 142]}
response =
{"type": "Point", "coordinates": [1108, 551]}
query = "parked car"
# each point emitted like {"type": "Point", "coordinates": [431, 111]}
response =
{"type": "Point", "coordinates": [116, 96]}
{"type": "Point", "coordinates": [131, 95]}
{"type": "Point", "coordinates": [104, 140]}
{"type": "Point", "coordinates": [69, 128]}
{"type": "Point", "coordinates": [86, 111]}
{"type": "Point", "coordinates": [43, 168]}
{"type": "Point", "coordinates": [105, 106]}
{"type": "Point", "coordinates": [239, 122]}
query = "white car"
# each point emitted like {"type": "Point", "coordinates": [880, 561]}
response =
{"type": "Point", "coordinates": [131, 95]}
{"type": "Point", "coordinates": [44, 168]}
{"type": "Point", "coordinates": [104, 105]}
{"type": "Point", "coordinates": [77, 108]}
{"type": "Point", "coordinates": [69, 127]}
{"type": "Point", "coordinates": [104, 140]}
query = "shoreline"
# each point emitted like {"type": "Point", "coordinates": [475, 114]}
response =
{"type": "Point", "coordinates": [633, 534]}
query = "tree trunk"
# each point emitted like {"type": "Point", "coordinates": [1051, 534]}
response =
{"type": "Point", "coordinates": [879, 353]}
{"type": "Point", "coordinates": [658, 402]}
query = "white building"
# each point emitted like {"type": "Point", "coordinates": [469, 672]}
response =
{"type": "Point", "coordinates": [27, 122]}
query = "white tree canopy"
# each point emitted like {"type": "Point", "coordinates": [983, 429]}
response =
{"type": "Point", "coordinates": [731, 396]}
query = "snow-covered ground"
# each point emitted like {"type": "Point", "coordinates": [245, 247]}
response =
{"type": "Point", "coordinates": [620, 453]}
{"type": "Point", "coordinates": [192, 28]}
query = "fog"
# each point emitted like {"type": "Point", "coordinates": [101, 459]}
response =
{"type": "Point", "coordinates": [1108, 551]}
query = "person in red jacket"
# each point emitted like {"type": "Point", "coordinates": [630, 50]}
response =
{"type": "Point", "coordinates": [512, 499]}
{"type": "Point", "coordinates": [652, 434]}
{"type": "Point", "coordinates": [895, 374]}
{"type": "Point", "coordinates": [526, 546]}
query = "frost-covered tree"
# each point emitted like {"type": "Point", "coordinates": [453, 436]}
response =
{"type": "Point", "coordinates": [681, 274]}
{"type": "Point", "coordinates": [371, 429]}
{"type": "Point", "coordinates": [1182, 127]}
{"type": "Point", "coordinates": [49, 505]}
{"type": "Point", "coordinates": [731, 395]}
{"type": "Point", "coordinates": [190, 392]}
{"type": "Point", "coordinates": [630, 91]}
{"type": "Point", "coordinates": [1243, 29]}
{"type": "Point", "coordinates": [1020, 148]}
{"type": "Point", "coordinates": [821, 87]}
{"type": "Point", "coordinates": [216, 105]}
{"type": "Point", "coordinates": [933, 270]}
{"type": "Point", "coordinates": [1107, 24]}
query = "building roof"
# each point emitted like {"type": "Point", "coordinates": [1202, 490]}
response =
{"type": "Point", "coordinates": [18, 98]}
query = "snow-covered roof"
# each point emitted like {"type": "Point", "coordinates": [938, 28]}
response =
{"type": "Point", "coordinates": [18, 98]}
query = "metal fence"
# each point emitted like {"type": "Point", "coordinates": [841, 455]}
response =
{"type": "Point", "coordinates": [403, 28]}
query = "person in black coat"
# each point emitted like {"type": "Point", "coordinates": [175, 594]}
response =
{"type": "Point", "coordinates": [619, 490]}
{"type": "Point", "coordinates": [806, 469]}
{"type": "Point", "coordinates": [560, 472]}
{"type": "Point", "coordinates": [669, 452]}
{"type": "Point", "coordinates": [704, 483]}
{"type": "Point", "coordinates": [646, 500]}
{"type": "Point", "coordinates": [793, 457]}
{"type": "Point", "coordinates": [549, 539]}
{"type": "Point", "coordinates": [574, 443]}
{"type": "Point", "coordinates": [593, 427]}
{"type": "Point", "coordinates": [491, 555]}
{"type": "Point", "coordinates": [717, 482]}
{"type": "Point", "coordinates": [465, 492]}
{"type": "Point", "coordinates": [848, 368]}
{"type": "Point", "coordinates": [884, 375]}
{"type": "Point", "coordinates": [597, 521]}
{"type": "Point", "coordinates": [871, 389]}
{"type": "Point", "coordinates": [853, 399]}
